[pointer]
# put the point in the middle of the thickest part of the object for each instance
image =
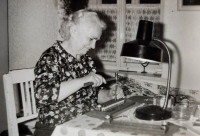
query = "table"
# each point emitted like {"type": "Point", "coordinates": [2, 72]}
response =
{"type": "Point", "coordinates": [85, 125]}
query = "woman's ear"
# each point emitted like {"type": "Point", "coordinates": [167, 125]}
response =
{"type": "Point", "coordinates": [73, 30]}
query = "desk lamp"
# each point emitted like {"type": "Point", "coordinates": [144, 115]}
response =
{"type": "Point", "coordinates": [143, 49]}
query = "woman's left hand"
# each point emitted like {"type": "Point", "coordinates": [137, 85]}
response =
{"type": "Point", "coordinates": [116, 91]}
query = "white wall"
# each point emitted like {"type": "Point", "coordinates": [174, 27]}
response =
{"type": "Point", "coordinates": [33, 27]}
{"type": "Point", "coordinates": [182, 29]}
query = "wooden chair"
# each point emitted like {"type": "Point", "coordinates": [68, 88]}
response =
{"type": "Point", "coordinates": [21, 81]}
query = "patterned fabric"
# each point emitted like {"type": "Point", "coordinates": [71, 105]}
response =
{"type": "Point", "coordinates": [131, 87]}
{"type": "Point", "coordinates": [56, 66]}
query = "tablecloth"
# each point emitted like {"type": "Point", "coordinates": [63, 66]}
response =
{"type": "Point", "coordinates": [89, 126]}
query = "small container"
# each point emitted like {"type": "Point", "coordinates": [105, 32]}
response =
{"type": "Point", "coordinates": [197, 114]}
{"type": "Point", "coordinates": [182, 111]}
{"type": "Point", "coordinates": [160, 99]}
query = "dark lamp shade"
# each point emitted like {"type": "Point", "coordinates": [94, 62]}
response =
{"type": "Point", "coordinates": [135, 50]}
{"type": "Point", "coordinates": [141, 49]}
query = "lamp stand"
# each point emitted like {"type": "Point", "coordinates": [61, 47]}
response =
{"type": "Point", "coordinates": [144, 65]}
{"type": "Point", "coordinates": [154, 112]}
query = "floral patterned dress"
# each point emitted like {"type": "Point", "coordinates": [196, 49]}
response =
{"type": "Point", "coordinates": [56, 66]}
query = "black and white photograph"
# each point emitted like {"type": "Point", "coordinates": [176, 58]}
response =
{"type": "Point", "coordinates": [100, 68]}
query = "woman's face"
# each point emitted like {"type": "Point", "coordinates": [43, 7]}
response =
{"type": "Point", "coordinates": [85, 36]}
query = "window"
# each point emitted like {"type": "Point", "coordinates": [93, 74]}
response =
{"type": "Point", "coordinates": [122, 27]}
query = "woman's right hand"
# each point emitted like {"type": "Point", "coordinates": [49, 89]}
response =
{"type": "Point", "coordinates": [94, 78]}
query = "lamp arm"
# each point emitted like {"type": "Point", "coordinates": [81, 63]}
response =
{"type": "Point", "coordinates": [169, 71]}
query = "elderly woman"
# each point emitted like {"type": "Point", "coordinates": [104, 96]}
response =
{"type": "Point", "coordinates": [64, 68]}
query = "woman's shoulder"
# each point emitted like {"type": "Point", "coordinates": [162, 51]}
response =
{"type": "Point", "coordinates": [50, 53]}
{"type": "Point", "coordinates": [54, 49]}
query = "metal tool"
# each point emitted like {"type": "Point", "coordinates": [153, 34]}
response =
{"type": "Point", "coordinates": [107, 80]}
{"type": "Point", "coordinates": [91, 83]}
{"type": "Point", "coordinates": [116, 78]}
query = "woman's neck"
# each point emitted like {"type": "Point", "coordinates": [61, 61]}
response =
{"type": "Point", "coordinates": [68, 47]}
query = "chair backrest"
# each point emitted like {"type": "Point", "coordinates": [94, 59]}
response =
{"type": "Point", "coordinates": [24, 80]}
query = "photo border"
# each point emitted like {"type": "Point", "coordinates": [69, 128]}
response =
{"type": "Point", "coordinates": [180, 7]}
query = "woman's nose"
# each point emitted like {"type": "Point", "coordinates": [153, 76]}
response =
{"type": "Point", "coordinates": [93, 44]}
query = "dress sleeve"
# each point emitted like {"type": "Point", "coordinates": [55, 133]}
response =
{"type": "Point", "coordinates": [47, 81]}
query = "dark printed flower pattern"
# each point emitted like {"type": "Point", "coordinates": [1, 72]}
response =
{"type": "Point", "coordinates": [56, 66]}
